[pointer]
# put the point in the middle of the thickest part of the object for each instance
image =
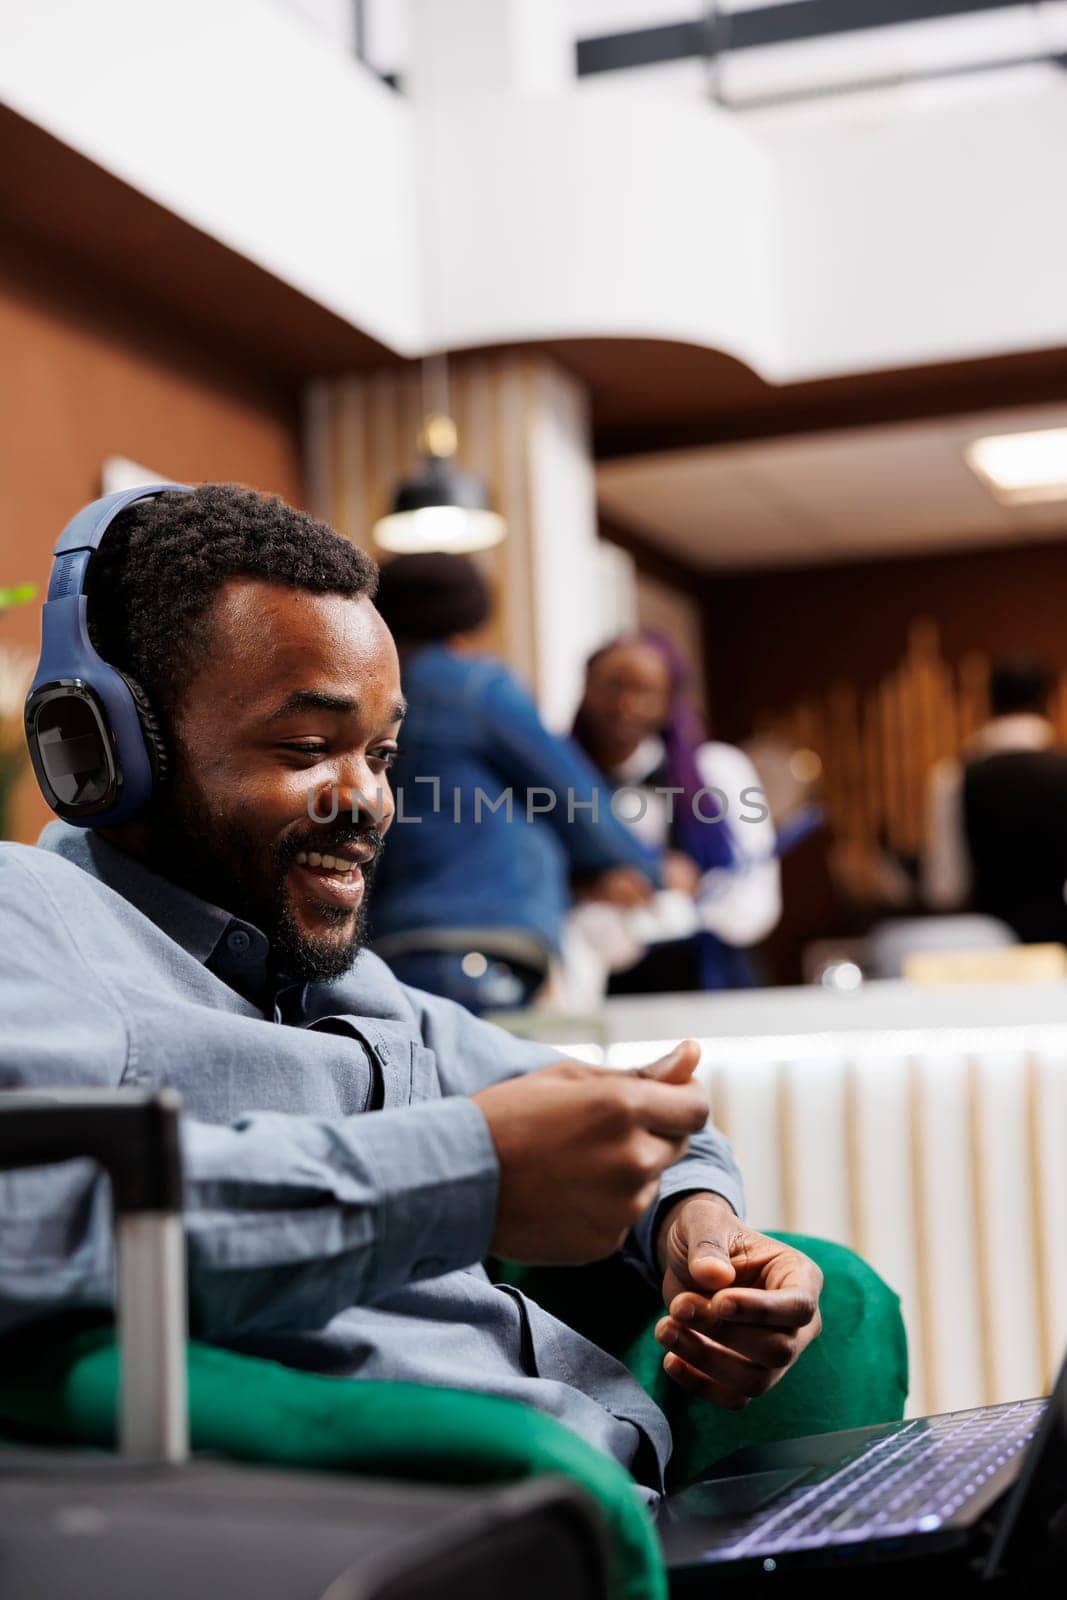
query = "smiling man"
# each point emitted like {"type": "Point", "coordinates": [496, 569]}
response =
{"type": "Point", "coordinates": [353, 1148]}
{"type": "Point", "coordinates": [264, 764]}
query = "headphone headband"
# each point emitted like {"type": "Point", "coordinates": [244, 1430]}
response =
{"type": "Point", "coordinates": [87, 527]}
{"type": "Point", "coordinates": [91, 735]}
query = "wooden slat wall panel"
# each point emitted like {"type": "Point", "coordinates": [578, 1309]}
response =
{"type": "Point", "coordinates": [362, 438]}
{"type": "Point", "coordinates": [877, 753]}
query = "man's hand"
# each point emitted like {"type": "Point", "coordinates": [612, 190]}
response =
{"type": "Point", "coordinates": [742, 1306]}
{"type": "Point", "coordinates": [581, 1150]}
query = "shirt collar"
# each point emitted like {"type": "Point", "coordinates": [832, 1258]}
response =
{"type": "Point", "coordinates": [236, 951]}
{"type": "Point", "coordinates": [641, 763]}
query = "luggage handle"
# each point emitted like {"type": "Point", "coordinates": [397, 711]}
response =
{"type": "Point", "coordinates": [134, 1135]}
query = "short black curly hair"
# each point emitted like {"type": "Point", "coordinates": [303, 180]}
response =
{"type": "Point", "coordinates": [160, 565]}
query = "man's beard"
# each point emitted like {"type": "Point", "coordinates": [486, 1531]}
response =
{"type": "Point", "coordinates": [219, 862]}
{"type": "Point", "coordinates": [298, 954]}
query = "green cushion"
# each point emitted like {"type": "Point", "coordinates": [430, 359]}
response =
{"type": "Point", "coordinates": [66, 1387]}
{"type": "Point", "coordinates": [64, 1382]}
{"type": "Point", "coordinates": [854, 1374]}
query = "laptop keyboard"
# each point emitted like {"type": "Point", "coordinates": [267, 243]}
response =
{"type": "Point", "coordinates": [909, 1481]}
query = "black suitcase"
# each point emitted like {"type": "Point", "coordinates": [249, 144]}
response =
{"type": "Point", "coordinates": [152, 1525]}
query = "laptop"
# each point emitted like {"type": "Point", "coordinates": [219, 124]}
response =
{"type": "Point", "coordinates": [981, 1491]}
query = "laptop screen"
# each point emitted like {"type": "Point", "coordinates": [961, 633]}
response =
{"type": "Point", "coordinates": [1036, 1509]}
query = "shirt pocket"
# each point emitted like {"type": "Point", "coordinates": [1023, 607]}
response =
{"type": "Point", "coordinates": [366, 1086]}
{"type": "Point", "coordinates": [405, 1070]}
{"type": "Point", "coordinates": [425, 1083]}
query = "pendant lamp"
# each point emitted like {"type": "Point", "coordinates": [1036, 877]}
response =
{"type": "Point", "coordinates": [440, 507]}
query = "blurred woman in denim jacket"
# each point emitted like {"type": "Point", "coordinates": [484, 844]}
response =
{"type": "Point", "coordinates": [497, 818]}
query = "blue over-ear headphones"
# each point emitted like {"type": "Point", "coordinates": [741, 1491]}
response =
{"type": "Point", "coordinates": [94, 742]}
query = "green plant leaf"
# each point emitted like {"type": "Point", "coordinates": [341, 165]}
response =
{"type": "Point", "coordinates": [18, 595]}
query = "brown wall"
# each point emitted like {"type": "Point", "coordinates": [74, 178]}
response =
{"type": "Point", "coordinates": [881, 668]}
{"type": "Point", "coordinates": [774, 638]}
{"type": "Point", "coordinates": [811, 640]}
{"type": "Point", "coordinates": [83, 376]}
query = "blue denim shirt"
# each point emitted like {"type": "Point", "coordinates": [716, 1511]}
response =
{"type": "Point", "coordinates": [471, 726]}
{"type": "Point", "coordinates": [341, 1185]}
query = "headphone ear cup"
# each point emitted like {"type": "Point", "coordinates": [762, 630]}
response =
{"type": "Point", "coordinates": [153, 737]}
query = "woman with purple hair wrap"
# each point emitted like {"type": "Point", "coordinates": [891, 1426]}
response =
{"type": "Point", "coordinates": [700, 804]}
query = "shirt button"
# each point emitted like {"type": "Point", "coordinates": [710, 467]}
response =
{"type": "Point", "coordinates": [238, 941]}
{"type": "Point", "coordinates": [428, 1267]}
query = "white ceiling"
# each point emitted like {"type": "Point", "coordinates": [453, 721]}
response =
{"type": "Point", "coordinates": [851, 495]}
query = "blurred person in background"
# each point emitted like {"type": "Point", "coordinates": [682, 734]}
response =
{"type": "Point", "coordinates": [470, 900]}
{"type": "Point", "coordinates": [639, 725]}
{"type": "Point", "coordinates": [996, 837]}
